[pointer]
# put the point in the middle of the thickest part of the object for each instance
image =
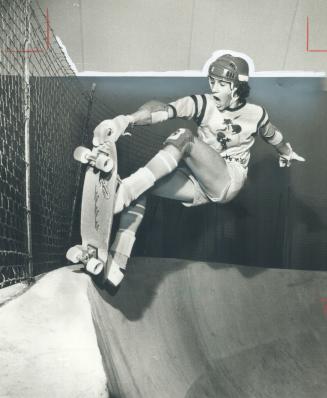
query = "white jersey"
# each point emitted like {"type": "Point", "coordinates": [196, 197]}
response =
{"type": "Point", "coordinates": [230, 132]}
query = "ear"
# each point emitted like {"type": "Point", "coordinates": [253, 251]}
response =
{"type": "Point", "coordinates": [233, 91]}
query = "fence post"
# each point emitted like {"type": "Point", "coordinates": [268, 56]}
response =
{"type": "Point", "coordinates": [27, 111]}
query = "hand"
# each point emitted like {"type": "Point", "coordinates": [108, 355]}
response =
{"type": "Point", "coordinates": [285, 160]}
{"type": "Point", "coordinates": [110, 129]}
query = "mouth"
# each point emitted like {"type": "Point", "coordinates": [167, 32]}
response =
{"type": "Point", "coordinates": [219, 103]}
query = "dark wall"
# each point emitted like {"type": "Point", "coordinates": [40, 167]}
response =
{"type": "Point", "coordinates": [280, 217]}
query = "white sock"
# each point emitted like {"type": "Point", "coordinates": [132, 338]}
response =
{"type": "Point", "coordinates": [132, 187]}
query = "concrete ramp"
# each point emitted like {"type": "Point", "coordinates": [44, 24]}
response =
{"type": "Point", "coordinates": [175, 329]}
{"type": "Point", "coordinates": [48, 346]}
{"type": "Point", "coordinates": [187, 329]}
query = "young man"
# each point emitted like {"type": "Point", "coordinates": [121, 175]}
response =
{"type": "Point", "coordinates": [210, 166]}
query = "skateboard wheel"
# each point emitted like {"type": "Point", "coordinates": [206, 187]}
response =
{"type": "Point", "coordinates": [104, 163]}
{"type": "Point", "coordinates": [94, 266]}
{"type": "Point", "coordinates": [82, 154]}
{"type": "Point", "coordinates": [74, 254]}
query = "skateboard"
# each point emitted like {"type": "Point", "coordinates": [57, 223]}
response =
{"type": "Point", "coordinates": [98, 200]}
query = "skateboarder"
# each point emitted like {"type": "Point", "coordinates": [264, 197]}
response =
{"type": "Point", "coordinates": [209, 166]}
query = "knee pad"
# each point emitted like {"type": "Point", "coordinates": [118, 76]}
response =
{"type": "Point", "coordinates": [182, 139]}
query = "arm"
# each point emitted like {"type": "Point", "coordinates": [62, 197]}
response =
{"type": "Point", "coordinates": [274, 137]}
{"type": "Point", "coordinates": [151, 112]}
{"type": "Point", "coordinates": [154, 112]}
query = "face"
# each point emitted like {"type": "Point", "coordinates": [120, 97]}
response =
{"type": "Point", "coordinates": [222, 91]}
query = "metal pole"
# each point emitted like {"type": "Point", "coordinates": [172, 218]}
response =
{"type": "Point", "coordinates": [27, 112]}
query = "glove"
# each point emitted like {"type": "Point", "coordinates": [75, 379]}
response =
{"type": "Point", "coordinates": [112, 128]}
{"type": "Point", "coordinates": [285, 160]}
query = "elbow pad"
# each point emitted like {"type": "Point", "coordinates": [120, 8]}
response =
{"type": "Point", "coordinates": [276, 139]}
{"type": "Point", "coordinates": [271, 134]}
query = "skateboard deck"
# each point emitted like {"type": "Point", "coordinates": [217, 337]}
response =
{"type": "Point", "coordinates": [98, 200]}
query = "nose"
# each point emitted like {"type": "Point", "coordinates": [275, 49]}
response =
{"type": "Point", "coordinates": [215, 86]}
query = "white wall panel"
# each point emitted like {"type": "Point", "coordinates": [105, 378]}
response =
{"type": "Point", "coordinates": [161, 35]}
{"type": "Point", "coordinates": [136, 35]}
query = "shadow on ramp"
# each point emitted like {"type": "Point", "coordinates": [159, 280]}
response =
{"type": "Point", "coordinates": [144, 277]}
{"type": "Point", "coordinates": [186, 329]}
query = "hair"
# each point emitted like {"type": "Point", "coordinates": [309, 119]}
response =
{"type": "Point", "coordinates": [243, 90]}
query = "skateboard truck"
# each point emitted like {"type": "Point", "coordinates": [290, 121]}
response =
{"type": "Point", "coordinates": [88, 257]}
{"type": "Point", "coordinates": [98, 158]}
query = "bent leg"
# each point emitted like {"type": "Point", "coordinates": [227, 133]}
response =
{"type": "Point", "coordinates": [183, 186]}
{"type": "Point", "coordinates": [175, 186]}
{"type": "Point", "coordinates": [130, 220]}
{"type": "Point", "coordinates": [122, 246]}
{"type": "Point", "coordinates": [209, 168]}
{"type": "Point", "coordinates": [163, 163]}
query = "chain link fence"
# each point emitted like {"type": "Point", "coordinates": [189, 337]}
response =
{"type": "Point", "coordinates": [44, 114]}
{"type": "Point", "coordinates": [14, 256]}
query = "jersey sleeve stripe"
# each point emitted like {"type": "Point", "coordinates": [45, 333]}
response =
{"type": "Point", "coordinates": [203, 110]}
{"type": "Point", "coordinates": [265, 123]}
{"type": "Point", "coordinates": [264, 114]}
{"type": "Point", "coordinates": [196, 106]}
{"type": "Point", "coordinates": [174, 111]}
